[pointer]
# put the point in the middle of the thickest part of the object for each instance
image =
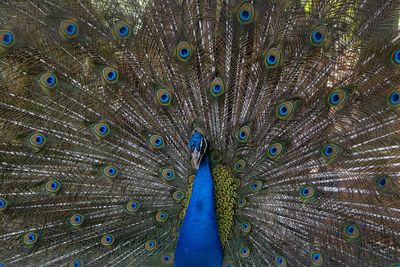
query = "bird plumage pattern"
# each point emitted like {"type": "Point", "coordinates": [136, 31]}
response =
{"type": "Point", "coordinates": [299, 102]}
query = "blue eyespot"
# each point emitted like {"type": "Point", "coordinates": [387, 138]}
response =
{"type": "Point", "coordinates": [76, 220]}
{"type": "Point", "coordinates": [71, 29]}
{"type": "Point", "coordinates": [158, 142]}
{"type": "Point", "coordinates": [112, 171]}
{"type": "Point", "coordinates": [112, 75]}
{"type": "Point", "coordinates": [256, 186]}
{"type": "Point", "coordinates": [77, 263]}
{"type": "Point", "coordinates": [51, 80]}
{"type": "Point", "coordinates": [132, 206]}
{"type": "Point", "coordinates": [328, 151]}
{"type": "Point", "coordinates": [161, 216]}
{"type": "Point", "coordinates": [316, 258]}
{"type": "Point", "coordinates": [283, 111]}
{"type": "Point", "coordinates": [107, 240]}
{"type": "Point", "coordinates": [39, 140]}
{"type": "Point", "coordinates": [101, 130]}
{"type": "Point", "coordinates": [245, 15]}
{"type": "Point", "coordinates": [317, 37]}
{"type": "Point", "coordinates": [30, 238]}
{"type": "Point", "coordinates": [350, 230]}
{"type": "Point", "coordinates": [164, 98]}
{"type": "Point", "coordinates": [242, 135]}
{"type": "Point", "coordinates": [394, 98]}
{"type": "Point", "coordinates": [396, 56]}
{"type": "Point", "coordinates": [53, 186]}
{"type": "Point", "coordinates": [271, 60]}
{"type": "Point", "coordinates": [8, 38]}
{"type": "Point", "coordinates": [151, 245]}
{"type": "Point", "coordinates": [273, 150]}
{"type": "Point", "coordinates": [3, 204]}
{"type": "Point", "coordinates": [184, 53]}
{"type": "Point", "coordinates": [382, 182]}
{"type": "Point", "coordinates": [123, 31]}
{"type": "Point", "coordinates": [217, 88]}
{"type": "Point", "coordinates": [279, 260]}
{"type": "Point", "coordinates": [334, 98]}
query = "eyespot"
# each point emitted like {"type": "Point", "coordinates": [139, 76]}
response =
{"type": "Point", "coordinates": [242, 202]}
{"type": "Point", "coordinates": [184, 51]}
{"type": "Point", "coordinates": [307, 193]}
{"type": "Point", "coordinates": [164, 97]}
{"type": "Point", "coordinates": [337, 98]}
{"type": "Point", "coordinates": [285, 110]}
{"type": "Point", "coordinates": [246, 227]}
{"type": "Point", "coordinates": [280, 261]}
{"type": "Point", "coordinates": [110, 171]}
{"type": "Point", "coordinates": [272, 58]}
{"type": "Point", "coordinates": [37, 141]}
{"type": "Point", "coordinates": [150, 245]}
{"type": "Point", "coordinates": [318, 36]}
{"type": "Point", "coordinates": [157, 141]}
{"type": "Point", "coordinates": [107, 240]}
{"type": "Point", "coordinates": [246, 13]}
{"type": "Point", "coordinates": [161, 216]}
{"type": "Point", "coordinates": [76, 263]}
{"type": "Point", "coordinates": [110, 75]}
{"type": "Point", "coordinates": [7, 39]}
{"type": "Point", "coordinates": [167, 259]}
{"type": "Point", "coordinates": [256, 186]}
{"type": "Point", "coordinates": [3, 204]}
{"type": "Point", "coordinates": [244, 251]}
{"type": "Point", "coordinates": [121, 30]}
{"type": "Point", "coordinates": [53, 186]}
{"type": "Point", "coordinates": [351, 232]}
{"type": "Point", "coordinates": [30, 238]}
{"type": "Point", "coordinates": [384, 183]}
{"type": "Point", "coordinates": [243, 135]}
{"type": "Point", "coordinates": [69, 29]}
{"type": "Point", "coordinates": [133, 206]}
{"type": "Point", "coordinates": [101, 130]}
{"type": "Point", "coordinates": [76, 220]}
{"type": "Point", "coordinates": [330, 151]}
{"type": "Point", "coordinates": [239, 165]}
{"type": "Point", "coordinates": [178, 195]}
{"type": "Point", "coordinates": [394, 99]}
{"type": "Point", "coordinates": [316, 258]}
{"type": "Point", "coordinates": [48, 81]}
{"type": "Point", "coordinates": [217, 87]}
{"type": "Point", "coordinates": [275, 150]}
{"type": "Point", "coordinates": [168, 174]}
{"type": "Point", "coordinates": [395, 57]}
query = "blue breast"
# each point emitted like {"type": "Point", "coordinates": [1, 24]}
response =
{"type": "Point", "coordinates": [199, 243]}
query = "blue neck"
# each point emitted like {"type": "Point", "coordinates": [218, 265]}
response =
{"type": "Point", "coordinates": [198, 242]}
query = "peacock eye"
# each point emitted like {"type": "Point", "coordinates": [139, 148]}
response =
{"type": "Point", "coordinates": [239, 165]}
{"type": "Point", "coordinates": [110, 171]}
{"type": "Point", "coordinates": [351, 232]}
{"type": "Point", "coordinates": [168, 174]}
{"type": "Point", "coordinates": [107, 240]}
{"type": "Point", "coordinates": [157, 141]}
{"type": "Point", "coordinates": [76, 220]}
{"type": "Point", "coordinates": [337, 98]}
{"type": "Point", "coordinates": [69, 29]}
{"type": "Point", "coordinates": [121, 30]}
{"type": "Point", "coordinates": [7, 39]}
{"type": "Point", "coordinates": [285, 110]}
{"type": "Point", "coordinates": [133, 206]}
{"type": "Point", "coordinates": [280, 261]}
{"type": "Point", "coordinates": [246, 227]}
{"type": "Point", "coordinates": [243, 134]}
{"type": "Point", "coordinates": [244, 251]}
{"type": "Point", "coordinates": [256, 186]}
{"type": "Point", "coordinates": [394, 98]}
{"type": "Point", "coordinates": [246, 13]}
{"type": "Point", "coordinates": [30, 238]}
{"type": "Point", "coordinates": [161, 216]}
{"type": "Point", "coordinates": [316, 258]}
{"type": "Point", "coordinates": [307, 193]}
{"type": "Point", "coordinates": [150, 245]}
{"type": "Point", "coordinates": [110, 75]}
{"type": "Point", "coordinates": [272, 58]}
{"type": "Point", "coordinates": [177, 195]}
{"type": "Point", "coordinates": [318, 36]}
{"type": "Point", "coordinates": [3, 204]}
{"type": "Point", "coordinates": [76, 263]}
{"type": "Point", "coordinates": [164, 97]}
{"type": "Point", "coordinates": [396, 57]}
{"type": "Point", "coordinates": [217, 87]}
{"type": "Point", "coordinates": [167, 259]}
{"type": "Point", "coordinates": [384, 183]}
{"type": "Point", "coordinates": [53, 186]}
{"type": "Point", "coordinates": [101, 130]}
{"type": "Point", "coordinates": [37, 141]}
{"type": "Point", "coordinates": [275, 150]}
{"type": "Point", "coordinates": [330, 151]}
{"type": "Point", "coordinates": [242, 202]}
{"type": "Point", "coordinates": [184, 51]}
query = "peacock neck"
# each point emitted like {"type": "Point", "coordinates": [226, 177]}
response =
{"type": "Point", "coordinates": [199, 243]}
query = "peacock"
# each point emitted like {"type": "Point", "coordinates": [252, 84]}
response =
{"type": "Point", "coordinates": [200, 133]}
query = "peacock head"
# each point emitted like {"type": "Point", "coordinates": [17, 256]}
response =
{"type": "Point", "coordinates": [197, 146]}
